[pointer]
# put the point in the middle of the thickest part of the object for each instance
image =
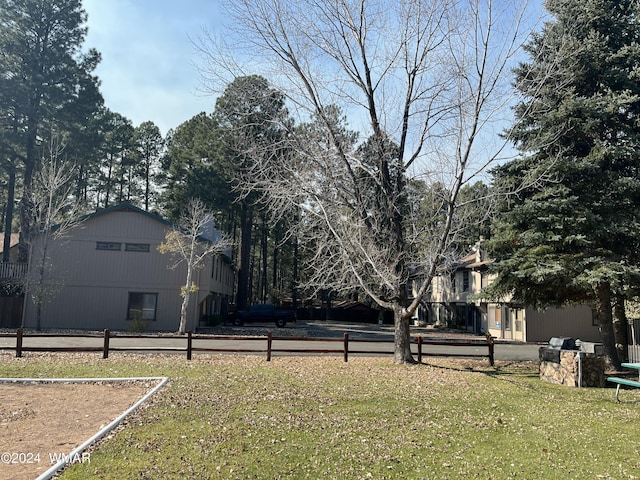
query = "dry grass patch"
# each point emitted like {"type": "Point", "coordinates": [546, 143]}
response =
{"type": "Point", "coordinates": [318, 417]}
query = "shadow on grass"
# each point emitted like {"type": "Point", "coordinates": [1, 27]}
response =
{"type": "Point", "coordinates": [504, 372]}
{"type": "Point", "coordinates": [511, 371]}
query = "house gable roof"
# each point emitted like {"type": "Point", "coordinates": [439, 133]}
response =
{"type": "Point", "coordinates": [121, 207]}
{"type": "Point", "coordinates": [469, 262]}
{"type": "Point", "coordinates": [126, 207]}
{"type": "Point", "coordinates": [472, 262]}
{"type": "Point", "coordinates": [351, 305]}
{"type": "Point", "coordinates": [129, 207]}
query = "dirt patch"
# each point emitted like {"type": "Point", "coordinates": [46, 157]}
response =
{"type": "Point", "coordinates": [41, 421]}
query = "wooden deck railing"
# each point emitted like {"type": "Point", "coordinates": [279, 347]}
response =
{"type": "Point", "coordinates": [12, 271]}
{"type": "Point", "coordinates": [346, 345]}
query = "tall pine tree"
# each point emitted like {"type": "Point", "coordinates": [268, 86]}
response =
{"type": "Point", "coordinates": [248, 113]}
{"type": "Point", "coordinates": [46, 82]}
{"type": "Point", "coordinates": [571, 231]}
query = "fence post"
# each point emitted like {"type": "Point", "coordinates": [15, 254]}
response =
{"type": "Point", "coordinates": [420, 349]}
{"type": "Point", "coordinates": [19, 342]}
{"type": "Point", "coordinates": [189, 345]}
{"type": "Point", "coordinates": [491, 349]}
{"type": "Point", "coordinates": [346, 347]}
{"type": "Point", "coordinates": [269, 342]}
{"type": "Point", "coordinates": [105, 347]}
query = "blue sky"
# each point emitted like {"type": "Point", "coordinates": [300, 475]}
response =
{"type": "Point", "coordinates": [149, 64]}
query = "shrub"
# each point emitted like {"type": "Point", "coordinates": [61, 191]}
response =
{"type": "Point", "coordinates": [137, 324]}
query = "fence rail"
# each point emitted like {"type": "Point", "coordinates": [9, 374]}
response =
{"type": "Point", "coordinates": [345, 348]}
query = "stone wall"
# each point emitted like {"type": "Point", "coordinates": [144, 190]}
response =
{"type": "Point", "coordinates": [572, 362]}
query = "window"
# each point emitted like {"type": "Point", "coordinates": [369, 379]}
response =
{"type": "Point", "coordinates": [108, 245]}
{"type": "Point", "coordinates": [497, 317]}
{"type": "Point", "coordinates": [465, 280]}
{"type": "Point", "coordinates": [142, 305]}
{"type": "Point", "coordinates": [136, 247]}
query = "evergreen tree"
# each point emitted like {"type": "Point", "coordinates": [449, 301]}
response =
{"type": "Point", "coordinates": [249, 115]}
{"type": "Point", "coordinates": [116, 158]}
{"type": "Point", "coordinates": [45, 80]}
{"type": "Point", "coordinates": [148, 145]}
{"type": "Point", "coordinates": [191, 167]}
{"type": "Point", "coordinates": [572, 230]}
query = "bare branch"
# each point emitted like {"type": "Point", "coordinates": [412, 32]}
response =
{"type": "Point", "coordinates": [55, 211]}
{"type": "Point", "coordinates": [192, 242]}
{"type": "Point", "coordinates": [426, 82]}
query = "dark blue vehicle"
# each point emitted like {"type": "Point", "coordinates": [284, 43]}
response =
{"type": "Point", "coordinates": [264, 313]}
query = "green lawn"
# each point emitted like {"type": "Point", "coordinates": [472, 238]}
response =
{"type": "Point", "coordinates": [242, 417]}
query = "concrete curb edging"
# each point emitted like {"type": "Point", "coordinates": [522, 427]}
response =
{"type": "Point", "coordinates": [79, 449]}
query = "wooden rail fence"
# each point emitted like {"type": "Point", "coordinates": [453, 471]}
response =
{"type": "Point", "coordinates": [347, 345]}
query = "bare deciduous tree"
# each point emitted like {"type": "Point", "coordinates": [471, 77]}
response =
{"type": "Point", "coordinates": [55, 211]}
{"type": "Point", "coordinates": [192, 242]}
{"type": "Point", "coordinates": [427, 85]}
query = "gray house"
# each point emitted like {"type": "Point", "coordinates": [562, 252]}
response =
{"type": "Point", "coordinates": [107, 272]}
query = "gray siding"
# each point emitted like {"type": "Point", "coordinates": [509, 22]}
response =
{"type": "Point", "coordinates": [93, 286]}
{"type": "Point", "coordinates": [572, 322]}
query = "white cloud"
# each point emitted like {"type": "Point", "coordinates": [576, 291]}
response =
{"type": "Point", "coordinates": [148, 69]}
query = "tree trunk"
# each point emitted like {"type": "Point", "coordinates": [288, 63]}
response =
{"type": "Point", "coordinates": [620, 328]}
{"type": "Point", "coordinates": [108, 186]}
{"type": "Point", "coordinates": [26, 214]}
{"type": "Point", "coordinates": [274, 263]}
{"type": "Point", "coordinates": [147, 184]}
{"type": "Point", "coordinates": [8, 218]}
{"type": "Point", "coordinates": [246, 222]}
{"type": "Point", "coordinates": [604, 313]}
{"type": "Point", "coordinates": [294, 286]}
{"type": "Point", "coordinates": [26, 207]}
{"type": "Point", "coordinates": [41, 293]}
{"type": "Point", "coordinates": [183, 314]}
{"type": "Point", "coordinates": [402, 342]}
{"type": "Point", "coordinates": [185, 300]}
{"type": "Point", "coordinates": [264, 254]}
